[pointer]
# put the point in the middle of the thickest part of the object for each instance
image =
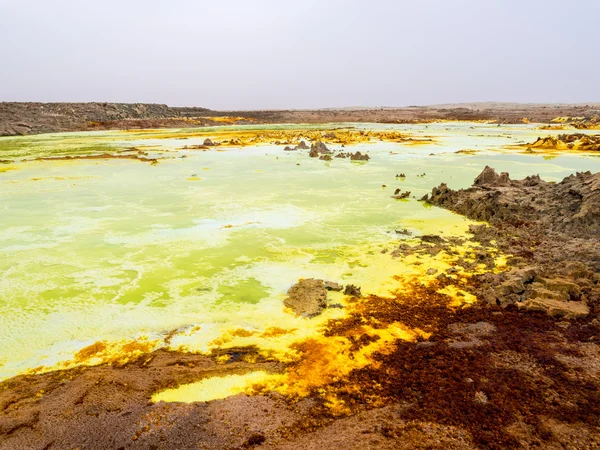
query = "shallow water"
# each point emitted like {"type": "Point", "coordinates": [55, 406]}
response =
{"type": "Point", "coordinates": [196, 248]}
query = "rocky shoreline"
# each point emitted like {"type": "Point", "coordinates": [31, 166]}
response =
{"type": "Point", "coordinates": [551, 229]}
{"type": "Point", "coordinates": [518, 369]}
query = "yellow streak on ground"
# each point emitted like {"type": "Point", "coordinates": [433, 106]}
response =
{"type": "Point", "coordinates": [322, 360]}
{"type": "Point", "coordinates": [211, 388]}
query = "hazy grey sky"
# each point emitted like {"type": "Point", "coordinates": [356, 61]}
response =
{"type": "Point", "coordinates": [308, 53]}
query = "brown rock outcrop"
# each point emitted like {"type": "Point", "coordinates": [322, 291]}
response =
{"type": "Point", "coordinates": [307, 298]}
{"type": "Point", "coordinates": [551, 229]}
{"type": "Point", "coordinates": [571, 206]}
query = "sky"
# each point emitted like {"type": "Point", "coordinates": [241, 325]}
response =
{"type": "Point", "coordinates": [259, 54]}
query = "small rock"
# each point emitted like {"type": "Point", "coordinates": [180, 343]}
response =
{"type": "Point", "coordinates": [319, 147]}
{"type": "Point", "coordinates": [358, 156]}
{"type": "Point", "coordinates": [331, 286]}
{"type": "Point", "coordinates": [424, 344]}
{"type": "Point", "coordinates": [432, 239]}
{"type": "Point", "coordinates": [352, 290]}
{"type": "Point", "coordinates": [480, 398]}
{"type": "Point", "coordinates": [397, 195]}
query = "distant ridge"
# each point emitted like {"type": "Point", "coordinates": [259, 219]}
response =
{"type": "Point", "coordinates": [19, 118]}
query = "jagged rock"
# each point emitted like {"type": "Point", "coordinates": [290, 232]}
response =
{"type": "Point", "coordinates": [320, 148]}
{"type": "Point", "coordinates": [571, 206]}
{"type": "Point", "coordinates": [325, 157]}
{"type": "Point", "coordinates": [515, 284]}
{"type": "Point", "coordinates": [301, 146]}
{"type": "Point", "coordinates": [352, 290]}
{"type": "Point", "coordinates": [480, 398]}
{"type": "Point", "coordinates": [340, 155]}
{"type": "Point", "coordinates": [511, 286]}
{"type": "Point", "coordinates": [208, 142]}
{"type": "Point", "coordinates": [539, 291]}
{"type": "Point", "coordinates": [358, 156]}
{"type": "Point", "coordinates": [288, 149]}
{"type": "Point", "coordinates": [307, 298]}
{"type": "Point", "coordinates": [313, 153]}
{"type": "Point", "coordinates": [489, 177]}
{"type": "Point", "coordinates": [570, 289]}
{"type": "Point", "coordinates": [398, 194]}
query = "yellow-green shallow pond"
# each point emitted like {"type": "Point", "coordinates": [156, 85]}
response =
{"type": "Point", "coordinates": [180, 253]}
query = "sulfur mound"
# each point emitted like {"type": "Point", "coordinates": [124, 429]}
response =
{"type": "Point", "coordinates": [575, 141]}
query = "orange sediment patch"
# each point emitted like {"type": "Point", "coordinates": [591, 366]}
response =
{"type": "Point", "coordinates": [276, 331]}
{"type": "Point", "coordinates": [242, 332]}
{"type": "Point", "coordinates": [103, 352]}
{"type": "Point", "coordinates": [90, 351]}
